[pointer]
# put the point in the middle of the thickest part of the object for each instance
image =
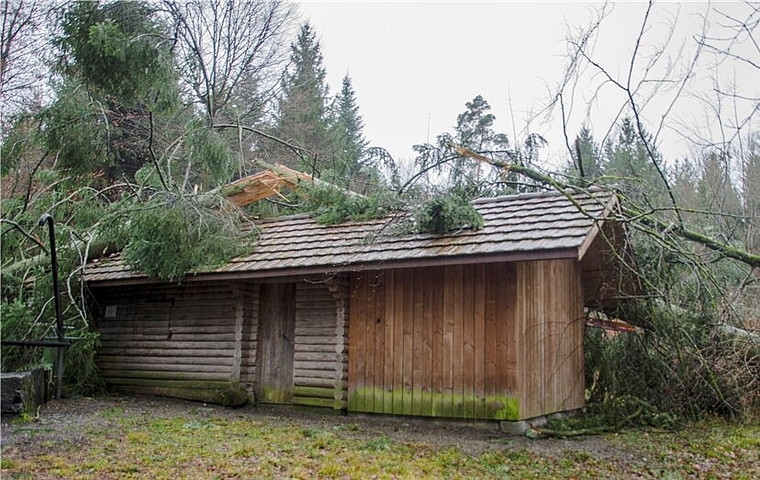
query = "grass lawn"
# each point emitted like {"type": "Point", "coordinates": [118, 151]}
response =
{"type": "Point", "coordinates": [132, 437]}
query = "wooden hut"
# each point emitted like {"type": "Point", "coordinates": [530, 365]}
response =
{"type": "Point", "coordinates": [483, 324]}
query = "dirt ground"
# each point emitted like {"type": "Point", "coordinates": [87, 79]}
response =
{"type": "Point", "coordinates": [66, 422]}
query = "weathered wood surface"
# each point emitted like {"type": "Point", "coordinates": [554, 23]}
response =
{"type": "Point", "coordinates": [170, 339]}
{"type": "Point", "coordinates": [212, 332]}
{"type": "Point", "coordinates": [277, 320]}
{"type": "Point", "coordinates": [250, 298]}
{"type": "Point", "coordinates": [550, 328]}
{"type": "Point", "coordinates": [499, 341]}
{"type": "Point", "coordinates": [318, 356]}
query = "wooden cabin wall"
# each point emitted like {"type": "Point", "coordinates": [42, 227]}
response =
{"type": "Point", "coordinates": [550, 322]}
{"type": "Point", "coordinates": [435, 341]}
{"type": "Point", "coordinates": [181, 341]}
{"type": "Point", "coordinates": [607, 269]}
{"type": "Point", "coordinates": [200, 341]}
{"type": "Point", "coordinates": [490, 341]}
{"type": "Point", "coordinates": [249, 302]}
{"type": "Point", "coordinates": [320, 359]}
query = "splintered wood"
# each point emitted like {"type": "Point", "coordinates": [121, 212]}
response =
{"type": "Point", "coordinates": [263, 185]}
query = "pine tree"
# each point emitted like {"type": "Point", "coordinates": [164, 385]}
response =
{"type": "Point", "coordinates": [474, 131]}
{"type": "Point", "coordinates": [302, 115]}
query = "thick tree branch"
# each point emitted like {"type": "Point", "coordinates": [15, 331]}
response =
{"type": "Point", "coordinates": [629, 212]}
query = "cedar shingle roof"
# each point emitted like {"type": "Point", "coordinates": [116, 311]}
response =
{"type": "Point", "coordinates": [530, 226]}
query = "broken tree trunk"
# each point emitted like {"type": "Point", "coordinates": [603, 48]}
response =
{"type": "Point", "coordinates": [268, 183]}
{"type": "Point", "coordinates": [97, 248]}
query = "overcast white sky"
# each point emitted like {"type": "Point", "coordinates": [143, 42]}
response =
{"type": "Point", "coordinates": [414, 65]}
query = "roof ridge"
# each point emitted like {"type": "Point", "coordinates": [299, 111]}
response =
{"type": "Point", "coordinates": [477, 201]}
{"type": "Point", "coordinates": [545, 193]}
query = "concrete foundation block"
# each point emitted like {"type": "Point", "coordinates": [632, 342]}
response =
{"type": "Point", "coordinates": [23, 392]}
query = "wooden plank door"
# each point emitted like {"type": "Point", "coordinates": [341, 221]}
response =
{"type": "Point", "coordinates": [277, 319]}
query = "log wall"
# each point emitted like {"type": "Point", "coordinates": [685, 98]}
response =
{"type": "Point", "coordinates": [467, 341]}
{"type": "Point", "coordinates": [182, 341]}
{"type": "Point", "coordinates": [200, 341]}
{"type": "Point", "coordinates": [320, 359]}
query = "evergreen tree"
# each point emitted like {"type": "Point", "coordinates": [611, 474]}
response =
{"type": "Point", "coordinates": [118, 72]}
{"type": "Point", "coordinates": [684, 177]}
{"type": "Point", "coordinates": [628, 162]}
{"type": "Point", "coordinates": [346, 134]}
{"type": "Point", "coordinates": [465, 176]}
{"type": "Point", "coordinates": [590, 155]}
{"type": "Point", "coordinates": [302, 115]}
{"type": "Point", "coordinates": [750, 183]}
{"type": "Point", "coordinates": [120, 50]}
{"type": "Point", "coordinates": [716, 193]}
{"type": "Point", "coordinates": [475, 130]}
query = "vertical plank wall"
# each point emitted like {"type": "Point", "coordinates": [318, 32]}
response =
{"type": "Point", "coordinates": [549, 313]}
{"type": "Point", "coordinates": [181, 341]}
{"type": "Point", "coordinates": [434, 342]}
{"type": "Point", "coordinates": [249, 306]}
{"type": "Point", "coordinates": [276, 343]}
{"type": "Point", "coordinates": [460, 341]}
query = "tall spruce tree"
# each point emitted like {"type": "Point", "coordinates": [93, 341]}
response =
{"type": "Point", "coordinates": [591, 162]}
{"type": "Point", "coordinates": [302, 113]}
{"type": "Point", "coordinates": [118, 71]}
{"type": "Point", "coordinates": [628, 162]}
{"type": "Point", "coordinates": [346, 133]}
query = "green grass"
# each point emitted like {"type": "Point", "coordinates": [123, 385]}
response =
{"type": "Point", "coordinates": [247, 446]}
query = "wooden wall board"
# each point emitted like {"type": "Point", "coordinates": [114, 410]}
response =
{"type": "Point", "coordinates": [465, 341]}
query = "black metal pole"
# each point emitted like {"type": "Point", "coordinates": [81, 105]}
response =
{"type": "Point", "coordinates": [47, 218]}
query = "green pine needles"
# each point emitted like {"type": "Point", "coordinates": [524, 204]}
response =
{"type": "Point", "coordinates": [167, 239]}
{"type": "Point", "coordinates": [447, 213]}
{"type": "Point", "coordinates": [332, 205]}
{"type": "Point", "coordinates": [443, 213]}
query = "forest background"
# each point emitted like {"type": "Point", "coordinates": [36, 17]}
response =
{"type": "Point", "coordinates": [125, 119]}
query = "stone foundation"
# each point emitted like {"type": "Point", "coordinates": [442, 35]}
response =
{"type": "Point", "coordinates": [23, 392]}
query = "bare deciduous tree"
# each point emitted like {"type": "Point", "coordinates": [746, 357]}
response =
{"type": "Point", "coordinates": [25, 52]}
{"type": "Point", "coordinates": [689, 79]}
{"type": "Point", "coordinates": [231, 53]}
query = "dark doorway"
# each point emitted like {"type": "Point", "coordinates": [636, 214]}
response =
{"type": "Point", "coordinates": [277, 320]}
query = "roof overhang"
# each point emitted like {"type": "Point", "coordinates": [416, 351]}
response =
{"type": "Point", "coordinates": [612, 206]}
{"type": "Point", "coordinates": [568, 253]}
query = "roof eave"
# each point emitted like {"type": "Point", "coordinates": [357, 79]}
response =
{"type": "Point", "coordinates": [613, 204]}
{"type": "Point", "coordinates": [565, 253]}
